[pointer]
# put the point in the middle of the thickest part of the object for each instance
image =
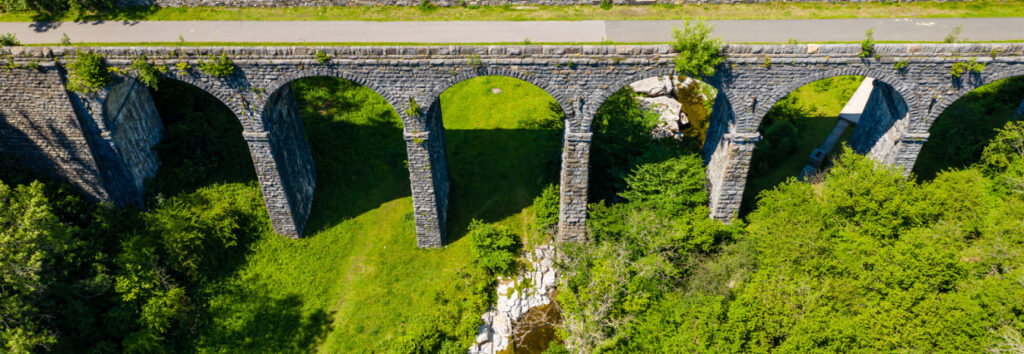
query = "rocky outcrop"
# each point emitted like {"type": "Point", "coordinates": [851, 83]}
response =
{"type": "Point", "coordinates": [661, 94]}
{"type": "Point", "coordinates": [516, 296]}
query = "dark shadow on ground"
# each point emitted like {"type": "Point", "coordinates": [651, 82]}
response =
{"type": "Point", "coordinates": [202, 144]}
{"type": "Point", "coordinates": [497, 173]}
{"type": "Point", "coordinates": [960, 133]}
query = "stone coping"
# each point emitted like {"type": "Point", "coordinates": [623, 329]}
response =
{"type": "Point", "coordinates": [646, 53]}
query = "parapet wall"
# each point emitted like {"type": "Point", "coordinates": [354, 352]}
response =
{"type": "Point", "coordinates": [451, 3]}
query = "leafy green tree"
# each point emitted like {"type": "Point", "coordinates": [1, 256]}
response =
{"type": "Point", "coordinates": [30, 237]}
{"type": "Point", "coordinates": [699, 54]}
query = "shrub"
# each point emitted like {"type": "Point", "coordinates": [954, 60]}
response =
{"type": "Point", "coordinates": [900, 65]}
{"type": "Point", "coordinates": [867, 46]}
{"type": "Point", "coordinates": [183, 66]}
{"type": "Point", "coordinates": [65, 40]}
{"type": "Point", "coordinates": [699, 54]}
{"type": "Point", "coordinates": [218, 66]}
{"type": "Point", "coordinates": [670, 187]}
{"type": "Point", "coordinates": [606, 4]}
{"type": "Point", "coordinates": [147, 73]}
{"type": "Point", "coordinates": [767, 62]}
{"type": "Point", "coordinates": [322, 57]}
{"type": "Point", "coordinates": [495, 248]}
{"type": "Point", "coordinates": [426, 5]}
{"type": "Point", "coordinates": [972, 65]}
{"type": "Point", "coordinates": [545, 208]}
{"type": "Point", "coordinates": [88, 73]}
{"type": "Point", "coordinates": [8, 40]}
{"type": "Point", "coordinates": [414, 108]}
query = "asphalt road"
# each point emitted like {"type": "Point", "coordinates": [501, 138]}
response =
{"type": "Point", "coordinates": [978, 29]}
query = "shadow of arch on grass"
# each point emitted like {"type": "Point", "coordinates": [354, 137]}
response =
{"type": "Point", "coordinates": [960, 133]}
{"type": "Point", "coordinates": [503, 139]}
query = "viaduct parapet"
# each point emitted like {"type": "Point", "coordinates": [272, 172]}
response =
{"type": "Point", "coordinates": [101, 142]}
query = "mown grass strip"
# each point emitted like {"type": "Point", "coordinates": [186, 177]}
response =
{"type": "Point", "coordinates": [774, 10]}
{"type": "Point", "coordinates": [356, 44]}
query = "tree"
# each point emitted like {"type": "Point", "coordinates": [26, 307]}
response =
{"type": "Point", "coordinates": [30, 236]}
{"type": "Point", "coordinates": [699, 54]}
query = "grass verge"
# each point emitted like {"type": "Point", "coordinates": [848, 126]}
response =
{"type": "Point", "coordinates": [773, 10]}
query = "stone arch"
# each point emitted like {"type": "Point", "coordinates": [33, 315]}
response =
{"type": "Point", "coordinates": [981, 80]}
{"type": "Point", "coordinates": [218, 91]}
{"type": "Point", "coordinates": [904, 89]}
{"type": "Point", "coordinates": [327, 71]}
{"type": "Point", "coordinates": [559, 97]}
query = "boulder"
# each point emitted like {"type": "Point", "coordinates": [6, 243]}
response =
{"type": "Point", "coordinates": [653, 87]}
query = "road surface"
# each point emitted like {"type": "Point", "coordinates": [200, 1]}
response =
{"type": "Point", "coordinates": [741, 31]}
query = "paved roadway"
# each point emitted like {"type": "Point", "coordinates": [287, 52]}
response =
{"type": "Point", "coordinates": [978, 29]}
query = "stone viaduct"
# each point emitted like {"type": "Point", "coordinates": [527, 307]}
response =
{"type": "Point", "coordinates": [100, 142]}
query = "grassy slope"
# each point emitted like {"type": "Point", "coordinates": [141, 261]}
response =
{"type": "Point", "coordinates": [823, 99]}
{"type": "Point", "coordinates": [357, 281]}
{"type": "Point", "coordinates": [961, 132]}
{"type": "Point", "coordinates": [775, 10]}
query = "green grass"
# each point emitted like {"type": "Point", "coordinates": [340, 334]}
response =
{"type": "Point", "coordinates": [357, 282]}
{"type": "Point", "coordinates": [961, 132]}
{"type": "Point", "coordinates": [822, 100]}
{"type": "Point", "coordinates": [356, 44]}
{"type": "Point", "coordinates": [775, 10]}
{"type": "Point", "coordinates": [503, 148]}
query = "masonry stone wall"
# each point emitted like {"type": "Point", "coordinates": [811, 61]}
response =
{"type": "Point", "coordinates": [287, 175]}
{"type": "Point", "coordinates": [579, 78]}
{"type": "Point", "coordinates": [40, 130]}
{"type": "Point", "coordinates": [446, 3]}
{"type": "Point", "coordinates": [881, 126]}
{"type": "Point", "coordinates": [134, 127]}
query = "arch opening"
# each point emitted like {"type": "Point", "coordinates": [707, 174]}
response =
{"type": "Point", "coordinates": [355, 137]}
{"type": "Point", "coordinates": [202, 143]}
{"type": "Point", "coordinates": [804, 130]}
{"type": "Point", "coordinates": [961, 131]}
{"type": "Point", "coordinates": [503, 138]}
{"type": "Point", "coordinates": [649, 120]}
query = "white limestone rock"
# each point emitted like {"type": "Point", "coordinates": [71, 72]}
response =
{"type": "Point", "coordinates": [653, 87]}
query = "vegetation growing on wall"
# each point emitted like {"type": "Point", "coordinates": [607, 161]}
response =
{"type": "Point", "coordinates": [699, 54]}
{"type": "Point", "coordinates": [87, 73]}
{"type": "Point", "coordinates": [218, 67]}
{"type": "Point", "coordinates": [146, 72]}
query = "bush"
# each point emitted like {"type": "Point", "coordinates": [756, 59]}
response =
{"type": "Point", "coordinates": [670, 187]}
{"type": "Point", "coordinates": [147, 73]}
{"type": "Point", "coordinates": [495, 248]}
{"type": "Point", "coordinates": [972, 65]}
{"type": "Point", "coordinates": [321, 57]}
{"type": "Point", "coordinates": [88, 73]}
{"type": "Point", "coordinates": [699, 54]}
{"type": "Point", "coordinates": [867, 46]}
{"type": "Point", "coordinates": [218, 67]}
{"type": "Point", "coordinates": [606, 4]}
{"type": "Point", "coordinates": [900, 65]}
{"type": "Point", "coordinates": [545, 209]}
{"type": "Point", "coordinates": [55, 8]}
{"type": "Point", "coordinates": [8, 40]}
